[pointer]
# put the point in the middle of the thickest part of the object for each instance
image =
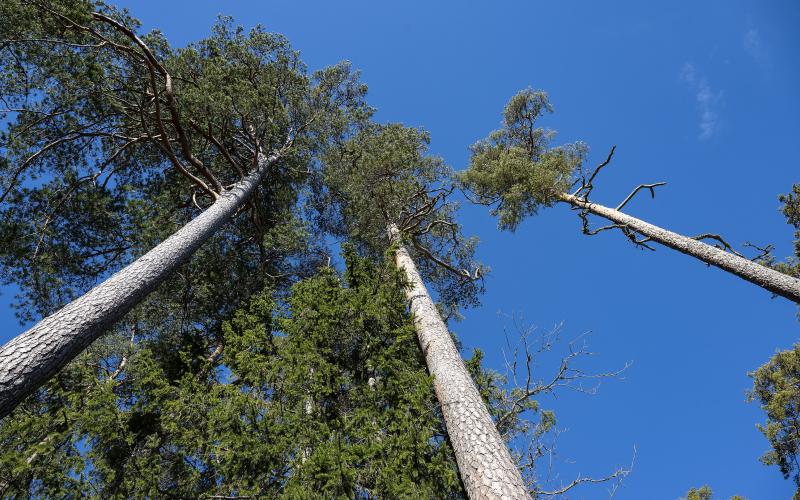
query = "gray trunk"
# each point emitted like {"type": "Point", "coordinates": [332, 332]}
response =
{"type": "Point", "coordinates": [484, 462]}
{"type": "Point", "coordinates": [774, 281]}
{"type": "Point", "coordinates": [30, 359]}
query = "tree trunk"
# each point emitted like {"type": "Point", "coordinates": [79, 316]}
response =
{"type": "Point", "coordinates": [774, 281]}
{"type": "Point", "coordinates": [484, 462]}
{"type": "Point", "coordinates": [30, 359]}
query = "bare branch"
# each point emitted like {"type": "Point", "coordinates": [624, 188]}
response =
{"type": "Point", "coordinates": [619, 475]}
{"type": "Point", "coordinates": [723, 245]}
{"type": "Point", "coordinates": [638, 188]}
{"type": "Point", "coordinates": [587, 186]}
{"type": "Point", "coordinates": [765, 253]}
{"type": "Point", "coordinates": [462, 273]}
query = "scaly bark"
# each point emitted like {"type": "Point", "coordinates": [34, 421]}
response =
{"type": "Point", "coordinates": [30, 359]}
{"type": "Point", "coordinates": [484, 461]}
{"type": "Point", "coordinates": [774, 281]}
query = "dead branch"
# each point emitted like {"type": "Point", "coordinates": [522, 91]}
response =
{"type": "Point", "coordinates": [619, 475]}
{"type": "Point", "coordinates": [462, 273]}
{"type": "Point", "coordinates": [627, 231]}
{"type": "Point", "coordinates": [522, 361]}
{"type": "Point", "coordinates": [765, 253]}
{"type": "Point", "coordinates": [638, 188]}
{"type": "Point", "coordinates": [722, 244]}
{"type": "Point", "coordinates": [566, 375]}
{"type": "Point", "coordinates": [587, 186]}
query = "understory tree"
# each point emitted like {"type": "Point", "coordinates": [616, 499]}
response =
{"type": "Point", "coordinates": [516, 172]}
{"type": "Point", "coordinates": [107, 131]}
{"type": "Point", "coordinates": [323, 393]}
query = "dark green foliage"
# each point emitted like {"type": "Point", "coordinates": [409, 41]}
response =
{"type": "Point", "coordinates": [109, 147]}
{"type": "Point", "coordinates": [368, 421]}
{"type": "Point", "coordinates": [702, 493]}
{"type": "Point", "coordinates": [228, 380]}
{"type": "Point", "coordinates": [328, 398]}
{"type": "Point", "coordinates": [515, 170]}
{"type": "Point", "coordinates": [791, 209]}
{"type": "Point", "coordinates": [776, 386]}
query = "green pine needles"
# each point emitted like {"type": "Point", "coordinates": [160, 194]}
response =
{"type": "Point", "coordinates": [515, 170]}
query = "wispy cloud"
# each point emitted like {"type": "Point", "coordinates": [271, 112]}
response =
{"type": "Point", "coordinates": [754, 46]}
{"type": "Point", "coordinates": [707, 100]}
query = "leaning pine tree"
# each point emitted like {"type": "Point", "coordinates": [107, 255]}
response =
{"type": "Point", "coordinates": [516, 172]}
{"type": "Point", "coordinates": [391, 195]}
{"type": "Point", "coordinates": [92, 102]}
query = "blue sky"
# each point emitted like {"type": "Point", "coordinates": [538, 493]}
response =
{"type": "Point", "coordinates": [703, 95]}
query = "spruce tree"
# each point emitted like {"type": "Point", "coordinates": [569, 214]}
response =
{"type": "Point", "coordinates": [326, 395]}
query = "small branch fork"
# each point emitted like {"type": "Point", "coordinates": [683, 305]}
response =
{"type": "Point", "coordinates": [586, 186]}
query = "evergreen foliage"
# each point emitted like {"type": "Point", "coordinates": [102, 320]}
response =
{"type": "Point", "coordinates": [327, 396]}
{"type": "Point", "coordinates": [705, 493]}
{"type": "Point", "coordinates": [791, 209]}
{"type": "Point", "coordinates": [515, 170]}
{"type": "Point", "coordinates": [109, 147]}
{"type": "Point", "coordinates": [382, 176]}
{"type": "Point", "coordinates": [776, 384]}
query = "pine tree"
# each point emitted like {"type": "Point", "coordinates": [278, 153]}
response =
{"type": "Point", "coordinates": [516, 172]}
{"type": "Point", "coordinates": [391, 195]}
{"type": "Point", "coordinates": [101, 111]}
{"type": "Point", "coordinates": [776, 384]}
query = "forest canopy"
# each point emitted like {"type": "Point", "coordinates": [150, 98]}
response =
{"type": "Point", "coordinates": [238, 279]}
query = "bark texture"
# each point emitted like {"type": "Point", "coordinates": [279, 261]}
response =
{"type": "Point", "coordinates": [30, 359]}
{"type": "Point", "coordinates": [484, 461]}
{"type": "Point", "coordinates": [774, 281]}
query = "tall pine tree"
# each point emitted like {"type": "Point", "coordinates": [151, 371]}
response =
{"type": "Point", "coordinates": [516, 172]}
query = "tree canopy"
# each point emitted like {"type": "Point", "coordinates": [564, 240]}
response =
{"type": "Point", "coordinates": [515, 170]}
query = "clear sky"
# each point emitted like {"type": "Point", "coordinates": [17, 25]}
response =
{"type": "Point", "coordinates": [703, 95]}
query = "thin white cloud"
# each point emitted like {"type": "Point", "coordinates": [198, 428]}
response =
{"type": "Point", "coordinates": [707, 100]}
{"type": "Point", "coordinates": [754, 46]}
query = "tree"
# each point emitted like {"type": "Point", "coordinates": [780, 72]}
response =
{"type": "Point", "coordinates": [390, 194]}
{"type": "Point", "coordinates": [324, 394]}
{"type": "Point", "coordinates": [516, 172]}
{"type": "Point", "coordinates": [791, 209]}
{"type": "Point", "coordinates": [368, 424]}
{"type": "Point", "coordinates": [704, 493]}
{"type": "Point", "coordinates": [776, 384]}
{"type": "Point", "coordinates": [93, 102]}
